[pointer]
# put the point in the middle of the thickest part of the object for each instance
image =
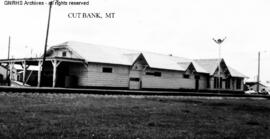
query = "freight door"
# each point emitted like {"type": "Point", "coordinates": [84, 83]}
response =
{"type": "Point", "coordinates": [134, 83]}
{"type": "Point", "coordinates": [134, 79]}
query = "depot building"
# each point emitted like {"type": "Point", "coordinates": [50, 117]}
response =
{"type": "Point", "coordinates": [83, 65]}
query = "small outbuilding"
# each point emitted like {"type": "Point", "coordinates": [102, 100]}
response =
{"type": "Point", "coordinates": [252, 85]}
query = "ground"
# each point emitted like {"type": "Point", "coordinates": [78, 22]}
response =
{"type": "Point", "coordinates": [91, 116]}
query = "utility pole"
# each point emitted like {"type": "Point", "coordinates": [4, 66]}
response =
{"type": "Point", "coordinates": [8, 47]}
{"type": "Point", "coordinates": [8, 57]}
{"type": "Point", "coordinates": [258, 77]}
{"type": "Point", "coordinates": [46, 42]}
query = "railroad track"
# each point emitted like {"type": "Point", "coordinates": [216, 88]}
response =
{"type": "Point", "coordinates": [123, 92]}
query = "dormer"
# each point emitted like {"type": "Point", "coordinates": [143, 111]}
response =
{"type": "Point", "coordinates": [60, 52]}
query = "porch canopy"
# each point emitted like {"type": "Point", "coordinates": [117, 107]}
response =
{"type": "Point", "coordinates": [27, 62]}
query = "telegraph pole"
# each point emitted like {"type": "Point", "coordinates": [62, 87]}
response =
{"type": "Point", "coordinates": [8, 57]}
{"type": "Point", "coordinates": [8, 47]}
{"type": "Point", "coordinates": [258, 77]}
{"type": "Point", "coordinates": [46, 42]}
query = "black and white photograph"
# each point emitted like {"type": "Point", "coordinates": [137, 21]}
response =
{"type": "Point", "coordinates": [135, 69]}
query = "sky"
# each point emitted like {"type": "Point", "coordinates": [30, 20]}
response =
{"type": "Point", "coordinates": [182, 28]}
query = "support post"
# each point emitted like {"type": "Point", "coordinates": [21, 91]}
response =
{"type": "Point", "coordinates": [54, 73]}
{"type": "Point", "coordinates": [24, 71]}
{"type": "Point", "coordinates": [24, 67]}
{"type": "Point", "coordinates": [55, 64]}
{"type": "Point", "coordinates": [39, 72]}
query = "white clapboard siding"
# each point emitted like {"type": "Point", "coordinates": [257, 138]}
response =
{"type": "Point", "coordinates": [203, 82]}
{"type": "Point", "coordinates": [103, 79]}
{"type": "Point", "coordinates": [93, 75]}
{"type": "Point", "coordinates": [59, 53]}
{"type": "Point", "coordinates": [168, 80]}
{"type": "Point", "coordinates": [167, 83]}
{"type": "Point", "coordinates": [135, 73]}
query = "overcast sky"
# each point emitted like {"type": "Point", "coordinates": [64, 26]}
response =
{"type": "Point", "coordinates": [183, 28]}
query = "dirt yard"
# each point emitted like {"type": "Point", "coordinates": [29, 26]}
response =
{"type": "Point", "coordinates": [91, 116]}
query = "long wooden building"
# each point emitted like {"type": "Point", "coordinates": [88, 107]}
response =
{"type": "Point", "coordinates": [76, 64]}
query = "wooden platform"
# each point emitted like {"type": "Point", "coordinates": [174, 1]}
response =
{"type": "Point", "coordinates": [122, 92]}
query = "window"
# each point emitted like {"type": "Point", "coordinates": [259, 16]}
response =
{"type": "Point", "coordinates": [64, 54]}
{"type": "Point", "coordinates": [208, 82]}
{"type": "Point", "coordinates": [220, 82]}
{"type": "Point", "coordinates": [135, 79]}
{"type": "Point", "coordinates": [228, 84]}
{"type": "Point", "coordinates": [107, 70]}
{"type": "Point", "coordinates": [216, 84]}
{"type": "Point", "coordinates": [1, 78]}
{"type": "Point", "coordinates": [158, 74]}
{"type": "Point", "coordinates": [185, 76]}
{"type": "Point", "coordinates": [238, 83]}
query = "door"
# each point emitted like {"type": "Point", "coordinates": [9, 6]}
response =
{"type": "Point", "coordinates": [197, 79]}
{"type": "Point", "coordinates": [134, 79]}
{"type": "Point", "coordinates": [134, 83]}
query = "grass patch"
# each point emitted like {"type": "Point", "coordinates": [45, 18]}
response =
{"type": "Point", "coordinates": [91, 116]}
{"type": "Point", "coordinates": [253, 123]}
{"type": "Point", "coordinates": [218, 104]}
{"type": "Point", "coordinates": [252, 108]}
